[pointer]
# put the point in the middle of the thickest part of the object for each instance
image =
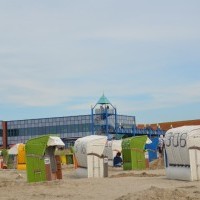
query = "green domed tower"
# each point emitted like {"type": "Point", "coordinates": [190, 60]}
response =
{"type": "Point", "coordinates": [104, 117]}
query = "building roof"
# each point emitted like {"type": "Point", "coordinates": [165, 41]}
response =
{"type": "Point", "coordinates": [103, 100]}
{"type": "Point", "coordinates": [167, 125]}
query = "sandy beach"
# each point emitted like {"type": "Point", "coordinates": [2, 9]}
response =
{"type": "Point", "coordinates": [120, 185]}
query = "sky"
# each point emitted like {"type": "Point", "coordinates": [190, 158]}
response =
{"type": "Point", "coordinates": [57, 58]}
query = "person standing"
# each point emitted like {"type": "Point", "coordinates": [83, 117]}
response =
{"type": "Point", "coordinates": [161, 145]}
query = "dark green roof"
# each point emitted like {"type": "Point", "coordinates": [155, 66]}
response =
{"type": "Point", "coordinates": [103, 100]}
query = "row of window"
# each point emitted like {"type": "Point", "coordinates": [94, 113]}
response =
{"type": "Point", "coordinates": [50, 130]}
{"type": "Point", "coordinates": [62, 135]}
{"type": "Point", "coordinates": [40, 124]}
{"type": "Point", "coordinates": [63, 121]}
{"type": "Point", "coordinates": [50, 120]}
{"type": "Point", "coordinates": [73, 128]}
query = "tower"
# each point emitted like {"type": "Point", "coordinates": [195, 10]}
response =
{"type": "Point", "coordinates": [104, 117]}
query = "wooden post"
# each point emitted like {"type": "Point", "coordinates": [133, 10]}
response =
{"type": "Point", "coordinates": [4, 136]}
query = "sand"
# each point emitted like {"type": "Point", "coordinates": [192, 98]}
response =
{"type": "Point", "coordinates": [120, 185]}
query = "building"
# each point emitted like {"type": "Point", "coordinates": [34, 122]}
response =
{"type": "Point", "coordinates": [168, 125]}
{"type": "Point", "coordinates": [103, 120]}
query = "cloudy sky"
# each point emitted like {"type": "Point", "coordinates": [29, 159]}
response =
{"type": "Point", "coordinates": [58, 57]}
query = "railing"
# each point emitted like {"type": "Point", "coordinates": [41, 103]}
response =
{"type": "Point", "coordinates": [136, 131]}
{"type": "Point", "coordinates": [99, 111]}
